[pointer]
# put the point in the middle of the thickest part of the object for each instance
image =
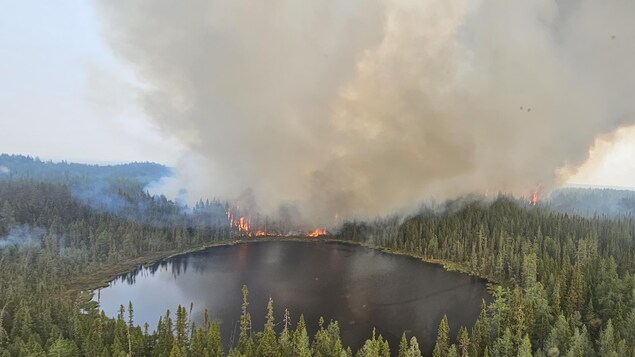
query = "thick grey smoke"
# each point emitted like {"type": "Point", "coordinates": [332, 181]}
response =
{"type": "Point", "coordinates": [363, 107]}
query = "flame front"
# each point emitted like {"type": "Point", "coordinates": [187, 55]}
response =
{"type": "Point", "coordinates": [534, 198]}
{"type": "Point", "coordinates": [241, 223]}
{"type": "Point", "coordinates": [318, 233]}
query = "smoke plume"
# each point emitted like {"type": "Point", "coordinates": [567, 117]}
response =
{"type": "Point", "coordinates": [363, 107]}
{"type": "Point", "coordinates": [22, 236]}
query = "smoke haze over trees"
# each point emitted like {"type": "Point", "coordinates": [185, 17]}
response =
{"type": "Point", "coordinates": [566, 281]}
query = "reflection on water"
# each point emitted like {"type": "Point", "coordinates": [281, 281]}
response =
{"type": "Point", "coordinates": [360, 287]}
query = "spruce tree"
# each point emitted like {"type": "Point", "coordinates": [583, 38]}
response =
{"type": "Point", "coordinates": [403, 346]}
{"type": "Point", "coordinates": [464, 342]}
{"type": "Point", "coordinates": [245, 342]}
{"type": "Point", "coordinates": [301, 340]}
{"type": "Point", "coordinates": [480, 332]}
{"type": "Point", "coordinates": [453, 351]}
{"type": "Point", "coordinates": [443, 339]}
{"type": "Point", "coordinates": [182, 329]}
{"type": "Point", "coordinates": [213, 340]}
{"type": "Point", "coordinates": [413, 350]}
{"type": "Point", "coordinates": [286, 338]}
{"type": "Point", "coordinates": [606, 342]}
{"type": "Point", "coordinates": [524, 350]}
{"type": "Point", "coordinates": [268, 346]}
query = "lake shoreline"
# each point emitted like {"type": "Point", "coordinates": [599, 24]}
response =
{"type": "Point", "coordinates": [362, 287]}
{"type": "Point", "coordinates": [102, 278]}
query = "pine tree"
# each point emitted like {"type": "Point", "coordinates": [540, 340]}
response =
{"type": "Point", "coordinates": [213, 340]}
{"type": "Point", "coordinates": [63, 348]}
{"type": "Point", "coordinates": [93, 345]}
{"type": "Point", "coordinates": [453, 351]}
{"type": "Point", "coordinates": [322, 344]}
{"type": "Point", "coordinates": [575, 298]}
{"type": "Point", "coordinates": [165, 336]}
{"type": "Point", "coordinates": [529, 271]}
{"type": "Point", "coordinates": [403, 346]}
{"type": "Point", "coordinates": [301, 340]}
{"type": "Point", "coordinates": [130, 327]}
{"type": "Point", "coordinates": [464, 342]}
{"type": "Point", "coordinates": [558, 340]}
{"type": "Point", "coordinates": [268, 346]}
{"type": "Point", "coordinates": [182, 330]}
{"type": "Point", "coordinates": [176, 351]}
{"type": "Point", "coordinates": [480, 332]}
{"type": "Point", "coordinates": [286, 339]}
{"type": "Point", "coordinates": [384, 347]}
{"type": "Point", "coordinates": [199, 343]}
{"type": "Point", "coordinates": [520, 324]}
{"type": "Point", "coordinates": [504, 345]}
{"type": "Point", "coordinates": [580, 345]}
{"type": "Point", "coordinates": [606, 342]}
{"type": "Point", "coordinates": [245, 342]}
{"type": "Point", "coordinates": [370, 348]}
{"type": "Point", "coordinates": [524, 350]}
{"type": "Point", "coordinates": [413, 350]}
{"type": "Point", "coordinates": [443, 339]}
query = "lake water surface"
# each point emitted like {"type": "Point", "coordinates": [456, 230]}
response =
{"type": "Point", "coordinates": [360, 287]}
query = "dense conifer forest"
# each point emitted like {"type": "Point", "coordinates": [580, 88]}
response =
{"type": "Point", "coordinates": [564, 284]}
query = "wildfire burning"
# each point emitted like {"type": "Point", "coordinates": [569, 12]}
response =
{"type": "Point", "coordinates": [243, 226]}
{"type": "Point", "coordinates": [318, 233]}
{"type": "Point", "coordinates": [241, 223]}
{"type": "Point", "coordinates": [535, 196]}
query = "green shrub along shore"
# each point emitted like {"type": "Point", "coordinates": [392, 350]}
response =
{"type": "Point", "coordinates": [565, 284]}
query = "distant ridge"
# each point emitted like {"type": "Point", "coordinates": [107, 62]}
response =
{"type": "Point", "coordinates": [589, 201]}
{"type": "Point", "coordinates": [598, 187]}
{"type": "Point", "coordinates": [28, 167]}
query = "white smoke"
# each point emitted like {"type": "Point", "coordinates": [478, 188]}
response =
{"type": "Point", "coordinates": [364, 107]}
{"type": "Point", "coordinates": [23, 236]}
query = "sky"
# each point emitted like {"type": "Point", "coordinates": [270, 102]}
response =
{"type": "Point", "coordinates": [65, 96]}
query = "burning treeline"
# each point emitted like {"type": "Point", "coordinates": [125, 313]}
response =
{"type": "Point", "coordinates": [535, 196]}
{"type": "Point", "coordinates": [242, 225]}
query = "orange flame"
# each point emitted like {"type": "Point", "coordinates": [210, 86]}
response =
{"type": "Point", "coordinates": [535, 196]}
{"type": "Point", "coordinates": [241, 223]}
{"type": "Point", "coordinates": [318, 233]}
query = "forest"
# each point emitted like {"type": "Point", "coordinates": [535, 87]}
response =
{"type": "Point", "coordinates": [563, 283]}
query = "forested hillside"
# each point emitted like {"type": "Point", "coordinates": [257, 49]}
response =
{"type": "Point", "coordinates": [27, 167]}
{"type": "Point", "coordinates": [566, 283]}
{"type": "Point", "coordinates": [115, 189]}
{"type": "Point", "coordinates": [589, 202]}
{"type": "Point", "coordinates": [50, 241]}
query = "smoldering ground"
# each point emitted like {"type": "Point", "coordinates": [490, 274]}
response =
{"type": "Point", "coordinates": [357, 108]}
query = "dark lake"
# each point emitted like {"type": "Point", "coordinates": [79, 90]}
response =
{"type": "Point", "coordinates": [360, 287]}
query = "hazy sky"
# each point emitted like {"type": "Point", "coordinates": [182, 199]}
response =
{"type": "Point", "coordinates": [64, 96]}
